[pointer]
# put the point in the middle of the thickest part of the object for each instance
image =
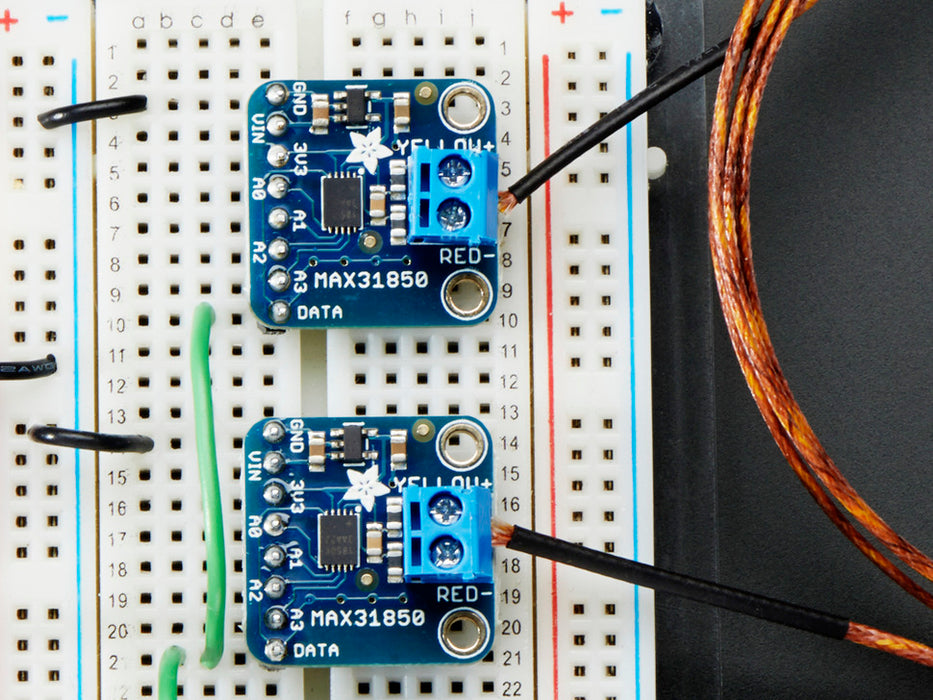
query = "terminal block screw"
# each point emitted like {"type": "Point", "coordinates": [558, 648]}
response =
{"type": "Point", "coordinates": [446, 553]}
{"type": "Point", "coordinates": [445, 509]}
{"type": "Point", "coordinates": [453, 171]}
{"type": "Point", "coordinates": [453, 215]}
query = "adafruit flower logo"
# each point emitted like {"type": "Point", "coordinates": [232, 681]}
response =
{"type": "Point", "coordinates": [368, 149]}
{"type": "Point", "coordinates": [365, 487]}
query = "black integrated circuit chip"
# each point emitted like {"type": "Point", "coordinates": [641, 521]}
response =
{"type": "Point", "coordinates": [342, 203]}
{"type": "Point", "coordinates": [356, 106]}
{"type": "Point", "coordinates": [338, 540]}
{"type": "Point", "coordinates": [352, 442]}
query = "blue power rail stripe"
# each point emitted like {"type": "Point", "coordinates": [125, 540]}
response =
{"type": "Point", "coordinates": [630, 199]}
{"type": "Point", "coordinates": [77, 379]}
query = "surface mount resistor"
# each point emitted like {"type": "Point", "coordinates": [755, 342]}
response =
{"type": "Point", "coordinates": [394, 516]}
{"type": "Point", "coordinates": [317, 446]}
{"type": "Point", "coordinates": [398, 448]}
{"type": "Point", "coordinates": [373, 543]}
{"type": "Point", "coordinates": [398, 179]}
{"type": "Point", "coordinates": [394, 559]}
{"type": "Point", "coordinates": [398, 216]}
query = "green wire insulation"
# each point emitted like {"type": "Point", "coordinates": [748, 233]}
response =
{"type": "Point", "coordinates": [210, 485]}
{"type": "Point", "coordinates": [171, 659]}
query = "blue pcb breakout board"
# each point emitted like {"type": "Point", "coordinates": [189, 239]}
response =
{"type": "Point", "coordinates": [372, 203]}
{"type": "Point", "coordinates": [369, 541]}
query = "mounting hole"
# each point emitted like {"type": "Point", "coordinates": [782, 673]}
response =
{"type": "Point", "coordinates": [463, 633]}
{"type": "Point", "coordinates": [461, 445]}
{"type": "Point", "coordinates": [464, 108]}
{"type": "Point", "coordinates": [466, 295]}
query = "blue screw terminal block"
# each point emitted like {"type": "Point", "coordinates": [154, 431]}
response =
{"type": "Point", "coordinates": [452, 197]}
{"type": "Point", "coordinates": [448, 534]}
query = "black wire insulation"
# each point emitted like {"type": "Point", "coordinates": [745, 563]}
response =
{"type": "Point", "coordinates": [695, 589]}
{"type": "Point", "coordinates": [82, 440]}
{"type": "Point", "coordinates": [654, 94]}
{"type": "Point", "coordinates": [87, 111]}
{"type": "Point", "coordinates": [29, 369]}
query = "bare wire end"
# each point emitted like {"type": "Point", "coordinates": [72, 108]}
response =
{"type": "Point", "coordinates": [501, 533]}
{"type": "Point", "coordinates": [507, 201]}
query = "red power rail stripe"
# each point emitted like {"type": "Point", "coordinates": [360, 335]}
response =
{"type": "Point", "coordinates": [546, 86]}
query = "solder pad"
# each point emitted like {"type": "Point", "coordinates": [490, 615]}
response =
{"type": "Point", "coordinates": [349, 222]}
{"type": "Point", "coordinates": [340, 564]}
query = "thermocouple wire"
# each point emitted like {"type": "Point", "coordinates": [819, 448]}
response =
{"type": "Point", "coordinates": [708, 592]}
{"type": "Point", "coordinates": [599, 131]}
{"type": "Point", "coordinates": [731, 142]}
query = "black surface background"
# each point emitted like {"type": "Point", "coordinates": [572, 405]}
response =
{"type": "Point", "coordinates": [842, 213]}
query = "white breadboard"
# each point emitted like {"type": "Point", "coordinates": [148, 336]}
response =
{"type": "Point", "coordinates": [114, 232]}
{"type": "Point", "coordinates": [44, 269]}
{"type": "Point", "coordinates": [593, 332]}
